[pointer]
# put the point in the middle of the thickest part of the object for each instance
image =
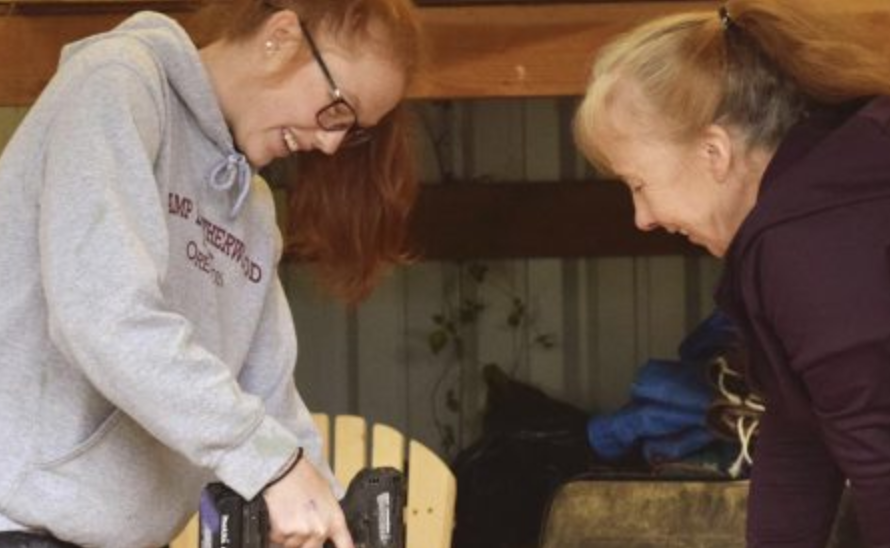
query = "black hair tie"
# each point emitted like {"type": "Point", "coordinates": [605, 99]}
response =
{"type": "Point", "coordinates": [725, 19]}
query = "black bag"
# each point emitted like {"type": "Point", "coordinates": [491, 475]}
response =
{"type": "Point", "coordinates": [531, 443]}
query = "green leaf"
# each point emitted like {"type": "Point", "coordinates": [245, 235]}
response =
{"type": "Point", "coordinates": [546, 340]}
{"type": "Point", "coordinates": [437, 340]}
{"type": "Point", "coordinates": [477, 272]}
{"type": "Point", "coordinates": [517, 314]}
{"type": "Point", "coordinates": [470, 310]}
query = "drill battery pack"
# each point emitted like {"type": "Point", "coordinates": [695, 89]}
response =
{"type": "Point", "coordinates": [374, 508]}
{"type": "Point", "coordinates": [229, 521]}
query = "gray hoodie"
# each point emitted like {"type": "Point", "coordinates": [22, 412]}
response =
{"type": "Point", "coordinates": [146, 343]}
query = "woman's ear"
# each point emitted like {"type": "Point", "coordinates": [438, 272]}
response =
{"type": "Point", "coordinates": [717, 150]}
{"type": "Point", "coordinates": [281, 33]}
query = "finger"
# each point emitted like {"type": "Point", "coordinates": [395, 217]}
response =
{"type": "Point", "coordinates": [277, 537]}
{"type": "Point", "coordinates": [297, 541]}
{"type": "Point", "coordinates": [313, 543]}
{"type": "Point", "coordinates": [295, 537]}
{"type": "Point", "coordinates": [341, 538]}
{"type": "Point", "coordinates": [306, 542]}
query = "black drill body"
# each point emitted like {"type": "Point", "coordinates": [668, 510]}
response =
{"type": "Point", "coordinates": [374, 508]}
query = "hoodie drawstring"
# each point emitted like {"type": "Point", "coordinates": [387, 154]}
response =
{"type": "Point", "coordinates": [234, 171]}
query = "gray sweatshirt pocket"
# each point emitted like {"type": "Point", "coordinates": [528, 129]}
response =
{"type": "Point", "coordinates": [121, 487]}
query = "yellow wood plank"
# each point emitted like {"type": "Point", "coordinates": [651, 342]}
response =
{"type": "Point", "coordinates": [350, 443]}
{"type": "Point", "coordinates": [388, 447]}
{"type": "Point", "coordinates": [323, 424]}
{"type": "Point", "coordinates": [188, 537]}
{"type": "Point", "coordinates": [10, 118]}
{"type": "Point", "coordinates": [432, 492]}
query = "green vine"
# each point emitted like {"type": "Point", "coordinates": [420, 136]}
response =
{"type": "Point", "coordinates": [456, 320]}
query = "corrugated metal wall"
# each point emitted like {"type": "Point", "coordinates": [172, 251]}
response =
{"type": "Point", "coordinates": [605, 316]}
{"type": "Point", "coordinates": [588, 324]}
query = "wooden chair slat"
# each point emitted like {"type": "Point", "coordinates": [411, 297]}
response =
{"type": "Point", "coordinates": [388, 447]}
{"type": "Point", "coordinates": [432, 487]}
{"type": "Point", "coordinates": [350, 447]}
{"type": "Point", "coordinates": [432, 493]}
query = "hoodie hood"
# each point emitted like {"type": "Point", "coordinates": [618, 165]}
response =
{"type": "Point", "coordinates": [835, 157]}
{"type": "Point", "coordinates": [188, 79]}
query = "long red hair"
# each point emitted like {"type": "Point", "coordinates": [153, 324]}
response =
{"type": "Point", "coordinates": [347, 213]}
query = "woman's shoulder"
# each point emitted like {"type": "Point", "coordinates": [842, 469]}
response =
{"type": "Point", "coordinates": [143, 43]}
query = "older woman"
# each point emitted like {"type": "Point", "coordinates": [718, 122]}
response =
{"type": "Point", "coordinates": [760, 132]}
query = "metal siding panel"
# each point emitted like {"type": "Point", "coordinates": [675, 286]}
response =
{"type": "Point", "coordinates": [496, 140]}
{"type": "Point", "coordinates": [381, 354]}
{"type": "Point", "coordinates": [494, 341]}
{"type": "Point", "coordinates": [710, 270]}
{"type": "Point", "coordinates": [614, 314]}
{"type": "Point", "coordinates": [541, 140]}
{"type": "Point", "coordinates": [322, 365]}
{"type": "Point", "coordinates": [439, 153]}
{"type": "Point", "coordinates": [428, 376]}
{"type": "Point", "coordinates": [666, 306]}
{"type": "Point", "coordinates": [546, 302]}
{"type": "Point", "coordinates": [641, 310]}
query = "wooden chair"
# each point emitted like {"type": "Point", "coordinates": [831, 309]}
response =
{"type": "Point", "coordinates": [432, 488]}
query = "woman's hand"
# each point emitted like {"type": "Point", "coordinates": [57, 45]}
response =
{"type": "Point", "coordinates": [303, 512]}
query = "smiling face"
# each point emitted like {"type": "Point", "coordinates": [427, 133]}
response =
{"type": "Point", "coordinates": [282, 120]}
{"type": "Point", "coordinates": [669, 190]}
{"type": "Point", "coordinates": [271, 97]}
{"type": "Point", "coordinates": [700, 188]}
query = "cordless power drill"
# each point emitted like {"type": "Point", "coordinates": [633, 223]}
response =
{"type": "Point", "coordinates": [374, 509]}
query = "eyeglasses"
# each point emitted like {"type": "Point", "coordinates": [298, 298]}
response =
{"type": "Point", "coordinates": [338, 115]}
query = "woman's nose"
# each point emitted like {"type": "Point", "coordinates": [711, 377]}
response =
{"type": "Point", "coordinates": [329, 141]}
{"type": "Point", "coordinates": [643, 217]}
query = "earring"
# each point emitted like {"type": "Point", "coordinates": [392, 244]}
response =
{"type": "Point", "coordinates": [271, 47]}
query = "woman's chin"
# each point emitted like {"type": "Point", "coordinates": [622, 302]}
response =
{"type": "Point", "coordinates": [259, 159]}
{"type": "Point", "coordinates": [714, 249]}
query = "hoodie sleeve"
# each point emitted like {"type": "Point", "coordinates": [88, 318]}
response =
{"type": "Point", "coordinates": [795, 487]}
{"type": "Point", "coordinates": [102, 233]}
{"type": "Point", "coordinates": [826, 292]}
{"type": "Point", "coordinates": [269, 373]}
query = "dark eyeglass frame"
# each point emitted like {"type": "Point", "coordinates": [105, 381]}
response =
{"type": "Point", "coordinates": [355, 134]}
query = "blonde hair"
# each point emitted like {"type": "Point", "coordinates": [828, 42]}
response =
{"type": "Point", "coordinates": [756, 70]}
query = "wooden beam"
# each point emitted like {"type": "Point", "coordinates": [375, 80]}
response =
{"type": "Point", "coordinates": [87, 7]}
{"type": "Point", "coordinates": [29, 50]}
{"type": "Point", "coordinates": [480, 51]}
{"type": "Point", "coordinates": [510, 220]}
{"type": "Point", "coordinates": [541, 49]}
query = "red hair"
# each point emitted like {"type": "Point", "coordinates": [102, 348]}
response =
{"type": "Point", "coordinates": [347, 213]}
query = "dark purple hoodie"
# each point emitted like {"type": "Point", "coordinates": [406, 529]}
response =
{"type": "Point", "coordinates": [808, 280]}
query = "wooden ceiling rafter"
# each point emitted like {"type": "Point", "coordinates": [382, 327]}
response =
{"type": "Point", "coordinates": [499, 50]}
{"type": "Point", "coordinates": [488, 51]}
